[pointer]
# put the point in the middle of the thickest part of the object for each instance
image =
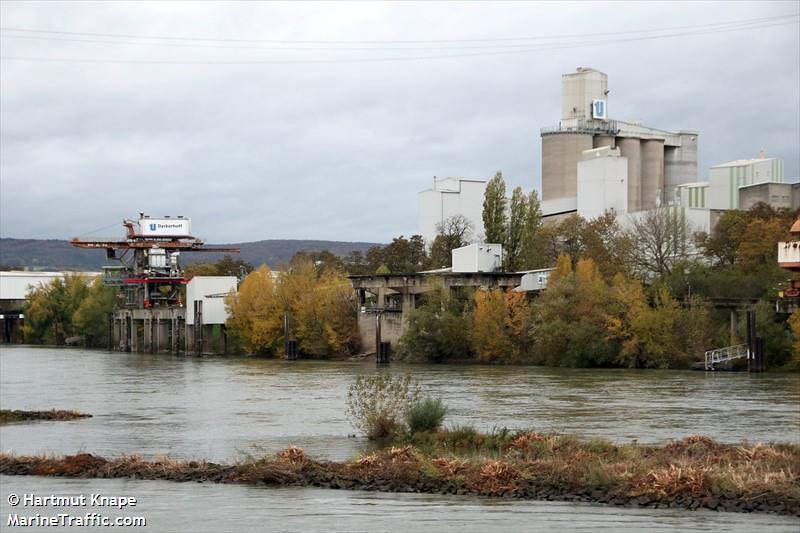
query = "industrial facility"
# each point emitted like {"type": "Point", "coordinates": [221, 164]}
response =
{"type": "Point", "coordinates": [645, 165]}
{"type": "Point", "coordinates": [151, 315]}
{"type": "Point", "coordinates": [386, 301]}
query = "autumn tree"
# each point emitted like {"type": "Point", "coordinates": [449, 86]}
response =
{"type": "Point", "coordinates": [722, 244]}
{"type": "Point", "coordinates": [256, 313]}
{"type": "Point", "coordinates": [794, 327]}
{"type": "Point", "coordinates": [569, 318]}
{"type": "Point", "coordinates": [321, 307]}
{"type": "Point", "coordinates": [604, 241]}
{"type": "Point", "coordinates": [758, 245]}
{"type": "Point", "coordinates": [495, 220]}
{"type": "Point", "coordinates": [490, 340]}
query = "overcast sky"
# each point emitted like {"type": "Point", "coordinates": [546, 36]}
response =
{"type": "Point", "coordinates": [286, 144]}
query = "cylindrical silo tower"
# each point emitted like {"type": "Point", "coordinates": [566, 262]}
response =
{"type": "Point", "coordinates": [561, 152]}
{"type": "Point", "coordinates": [652, 173]}
{"type": "Point", "coordinates": [631, 148]}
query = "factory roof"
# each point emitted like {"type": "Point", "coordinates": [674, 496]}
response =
{"type": "Point", "coordinates": [743, 162]}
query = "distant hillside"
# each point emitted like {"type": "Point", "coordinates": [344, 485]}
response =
{"type": "Point", "coordinates": [51, 254]}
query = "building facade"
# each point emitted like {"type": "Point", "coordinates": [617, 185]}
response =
{"type": "Point", "coordinates": [449, 197]}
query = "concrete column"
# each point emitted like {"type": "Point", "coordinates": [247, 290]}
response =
{"type": "Point", "coordinates": [175, 336]}
{"type": "Point", "coordinates": [652, 173]}
{"type": "Point", "coordinates": [631, 148]}
{"type": "Point", "coordinates": [380, 302]}
{"type": "Point", "coordinates": [148, 334]}
{"type": "Point", "coordinates": [115, 334]}
{"type": "Point", "coordinates": [134, 338]}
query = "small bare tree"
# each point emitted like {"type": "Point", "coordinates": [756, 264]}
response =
{"type": "Point", "coordinates": [660, 240]}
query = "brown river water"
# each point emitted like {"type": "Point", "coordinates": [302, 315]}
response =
{"type": "Point", "coordinates": [222, 408]}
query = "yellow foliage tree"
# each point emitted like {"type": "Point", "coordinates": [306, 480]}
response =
{"type": "Point", "coordinates": [794, 325]}
{"type": "Point", "coordinates": [489, 338]}
{"type": "Point", "coordinates": [321, 309]}
{"type": "Point", "coordinates": [256, 313]}
{"type": "Point", "coordinates": [563, 268]}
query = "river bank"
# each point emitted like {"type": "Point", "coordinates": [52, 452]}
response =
{"type": "Point", "coordinates": [692, 473]}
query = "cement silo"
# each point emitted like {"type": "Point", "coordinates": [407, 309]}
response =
{"type": "Point", "coordinates": [631, 148]}
{"type": "Point", "coordinates": [680, 164]}
{"type": "Point", "coordinates": [652, 151]}
{"type": "Point", "coordinates": [561, 152]}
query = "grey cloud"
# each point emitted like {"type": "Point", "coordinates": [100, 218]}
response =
{"type": "Point", "coordinates": [339, 151]}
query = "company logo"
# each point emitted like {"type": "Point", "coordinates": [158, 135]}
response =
{"type": "Point", "coordinates": [152, 227]}
{"type": "Point", "coordinates": [599, 109]}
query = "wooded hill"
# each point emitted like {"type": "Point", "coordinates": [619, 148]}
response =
{"type": "Point", "coordinates": [52, 254]}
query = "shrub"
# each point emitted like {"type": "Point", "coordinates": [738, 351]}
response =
{"type": "Point", "coordinates": [376, 405]}
{"type": "Point", "coordinates": [462, 436]}
{"type": "Point", "coordinates": [425, 415]}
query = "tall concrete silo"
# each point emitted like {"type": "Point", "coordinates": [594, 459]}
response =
{"type": "Point", "coordinates": [680, 164]}
{"type": "Point", "coordinates": [561, 152]}
{"type": "Point", "coordinates": [631, 148]}
{"type": "Point", "coordinates": [652, 172]}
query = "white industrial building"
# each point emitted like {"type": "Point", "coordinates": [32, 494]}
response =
{"type": "Point", "coordinates": [478, 257]}
{"type": "Point", "coordinates": [602, 182]}
{"type": "Point", "coordinates": [206, 295]}
{"type": "Point", "coordinates": [726, 179]}
{"type": "Point", "coordinates": [15, 284]}
{"type": "Point", "coordinates": [449, 197]}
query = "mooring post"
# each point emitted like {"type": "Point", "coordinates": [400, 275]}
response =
{"type": "Point", "coordinates": [110, 331]}
{"type": "Point", "coordinates": [752, 365]}
{"type": "Point", "coordinates": [286, 336]}
{"type": "Point", "coordinates": [378, 336]}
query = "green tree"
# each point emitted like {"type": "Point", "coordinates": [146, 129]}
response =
{"type": "Point", "coordinates": [495, 221]}
{"type": "Point", "coordinates": [91, 318]}
{"type": "Point", "coordinates": [437, 330]}
{"type": "Point", "coordinates": [531, 253]}
{"type": "Point", "coordinates": [607, 245]}
{"type": "Point", "coordinates": [517, 223]}
{"type": "Point", "coordinates": [722, 243]}
{"type": "Point", "coordinates": [227, 266]}
{"type": "Point", "coordinates": [50, 309]}
{"type": "Point", "coordinates": [758, 246]}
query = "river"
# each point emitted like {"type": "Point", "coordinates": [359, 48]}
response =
{"type": "Point", "coordinates": [222, 408]}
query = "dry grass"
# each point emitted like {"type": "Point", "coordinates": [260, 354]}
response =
{"type": "Point", "coordinates": [688, 472]}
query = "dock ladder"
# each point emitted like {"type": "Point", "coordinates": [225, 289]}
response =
{"type": "Point", "coordinates": [722, 355]}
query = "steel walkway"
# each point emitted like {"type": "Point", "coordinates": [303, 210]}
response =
{"type": "Point", "coordinates": [722, 355]}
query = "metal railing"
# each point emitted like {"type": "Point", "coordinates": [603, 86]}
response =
{"type": "Point", "coordinates": [722, 355]}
